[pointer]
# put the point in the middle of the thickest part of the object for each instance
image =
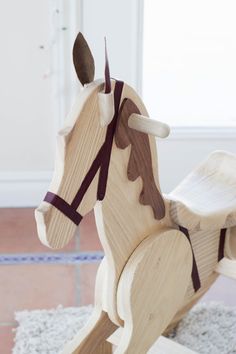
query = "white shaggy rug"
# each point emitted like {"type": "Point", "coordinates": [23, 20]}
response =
{"type": "Point", "coordinates": [207, 329]}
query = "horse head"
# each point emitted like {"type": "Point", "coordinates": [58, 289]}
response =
{"type": "Point", "coordinates": [84, 148]}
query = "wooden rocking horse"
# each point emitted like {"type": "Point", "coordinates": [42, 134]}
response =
{"type": "Point", "coordinates": [162, 253]}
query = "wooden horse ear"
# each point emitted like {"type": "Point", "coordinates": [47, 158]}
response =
{"type": "Point", "coordinates": [107, 88]}
{"type": "Point", "coordinates": [83, 60]}
{"type": "Point", "coordinates": [106, 98]}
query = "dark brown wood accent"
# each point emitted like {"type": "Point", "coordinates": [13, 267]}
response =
{"type": "Point", "coordinates": [83, 60]}
{"type": "Point", "coordinates": [221, 244]}
{"type": "Point", "coordinates": [195, 273]}
{"type": "Point", "coordinates": [140, 161]}
{"type": "Point", "coordinates": [107, 88]}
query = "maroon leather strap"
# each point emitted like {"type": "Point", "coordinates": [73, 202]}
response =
{"type": "Point", "coordinates": [102, 183]}
{"type": "Point", "coordinates": [101, 161]}
{"type": "Point", "coordinates": [221, 244]}
{"type": "Point", "coordinates": [195, 274]}
{"type": "Point", "coordinates": [64, 207]}
{"type": "Point", "coordinates": [107, 88]}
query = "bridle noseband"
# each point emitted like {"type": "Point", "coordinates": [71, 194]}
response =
{"type": "Point", "coordinates": [102, 161]}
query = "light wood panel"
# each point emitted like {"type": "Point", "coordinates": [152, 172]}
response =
{"type": "Point", "coordinates": [159, 267]}
{"type": "Point", "coordinates": [167, 346]}
{"type": "Point", "coordinates": [148, 126]}
{"type": "Point", "coordinates": [206, 198]}
{"type": "Point", "coordinates": [227, 267]}
{"type": "Point", "coordinates": [162, 346]}
{"type": "Point", "coordinates": [92, 337]}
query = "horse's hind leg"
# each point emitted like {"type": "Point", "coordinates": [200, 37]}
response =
{"type": "Point", "coordinates": [152, 288]}
{"type": "Point", "coordinates": [92, 338]}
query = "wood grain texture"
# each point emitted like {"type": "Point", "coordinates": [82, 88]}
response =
{"type": "Point", "coordinates": [190, 300]}
{"type": "Point", "coordinates": [162, 346]}
{"type": "Point", "coordinates": [206, 198]}
{"type": "Point", "coordinates": [121, 220]}
{"type": "Point", "coordinates": [140, 163]}
{"type": "Point", "coordinates": [159, 267]}
{"type": "Point", "coordinates": [73, 159]}
{"type": "Point", "coordinates": [227, 267]}
{"type": "Point", "coordinates": [92, 337]}
{"type": "Point", "coordinates": [166, 346]}
{"type": "Point", "coordinates": [83, 60]}
{"type": "Point", "coordinates": [205, 244]}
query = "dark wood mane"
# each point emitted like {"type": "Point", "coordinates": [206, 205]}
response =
{"type": "Point", "coordinates": [140, 161]}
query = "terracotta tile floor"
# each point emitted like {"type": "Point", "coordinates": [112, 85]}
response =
{"type": "Point", "coordinates": [46, 286]}
{"type": "Point", "coordinates": [6, 338]}
{"type": "Point", "coordinates": [18, 232]}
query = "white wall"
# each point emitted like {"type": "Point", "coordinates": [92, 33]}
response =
{"type": "Point", "coordinates": [27, 101]}
{"type": "Point", "coordinates": [35, 93]}
{"type": "Point", "coordinates": [121, 23]}
{"type": "Point", "coordinates": [189, 61]}
{"type": "Point", "coordinates": [189, 80]}
{"type": "Point", "coordinates": [26, 109]}
{"type": "Point", "coordinates": [32, 108]}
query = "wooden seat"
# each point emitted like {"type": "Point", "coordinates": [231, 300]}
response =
{"type": "Point", "coordinates": [206, 199]}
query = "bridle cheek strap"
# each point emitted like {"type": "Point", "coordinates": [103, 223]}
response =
{"type": "Point", "coordinates": [102, 162]}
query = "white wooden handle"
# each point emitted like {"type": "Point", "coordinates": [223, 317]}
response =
{"type": "Point", "coordinates": [226, 267]}
{"type": "Point", "coordinates": [106, 107]}
{"type": "Point", "coordinates": [148, 126]}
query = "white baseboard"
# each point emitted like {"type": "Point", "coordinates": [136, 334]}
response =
{"type": "Point", "coordinates": [24, 188]}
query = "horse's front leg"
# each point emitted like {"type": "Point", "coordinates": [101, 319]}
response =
{"type": "Point", "coordinates": [91, 339]}
{"type": "Point", "coordinates": [152, 289]}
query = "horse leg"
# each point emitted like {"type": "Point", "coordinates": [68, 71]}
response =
{"type": "Point", "coordinates": [152, 288]}
{"type": "Point", "coordinates": [92, 337]}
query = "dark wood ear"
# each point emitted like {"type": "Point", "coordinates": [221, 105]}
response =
{"type": "Point", "coordinates": [83, 60]}
{"type": "Point", "coordinates": [107, 88]}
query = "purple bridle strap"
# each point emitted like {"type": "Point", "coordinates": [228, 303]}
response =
{"type": "Point", "coordinates": [63, 206]}
{"type": "Point", "coordinates": [102, 161]}
{"type": "Point", "coordinates": [195, 274]}
{"type": "Point", "coordinates": [221, 244]}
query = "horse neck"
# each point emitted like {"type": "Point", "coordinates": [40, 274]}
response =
{"type": "Point", "coordinates": [122, 221]}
